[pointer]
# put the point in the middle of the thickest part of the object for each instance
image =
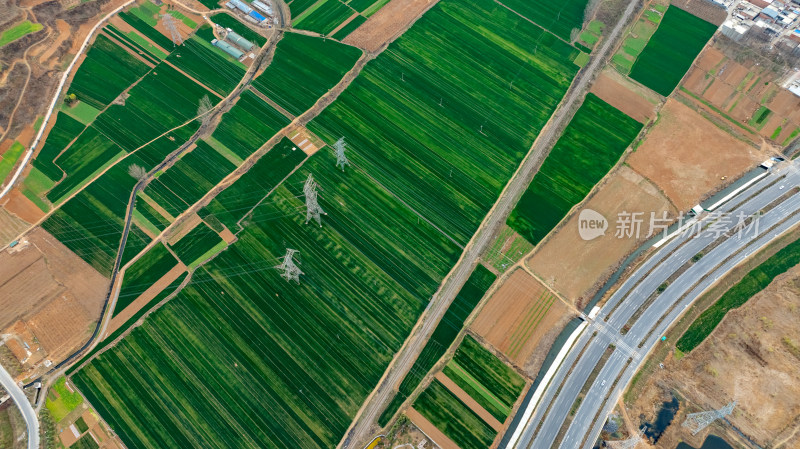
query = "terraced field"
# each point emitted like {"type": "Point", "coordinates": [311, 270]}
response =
{"type": "Point", "coordinates": [272, 330]}
{"type": "Point", "coordinates": [441, 89]}
{"type": "Point", "coordinates": [248, 125]}
{"type": "Point", "coordinates": [671, 51]}
{"type": "Point", "coordinates": [206, 63]}
{"type": "Point", "coordinates": [591, 144]}
{"type": "Point", "coordinates": [303, 69]}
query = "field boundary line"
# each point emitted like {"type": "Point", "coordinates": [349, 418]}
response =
{"type": "Point", "coordinates": [57, 95]}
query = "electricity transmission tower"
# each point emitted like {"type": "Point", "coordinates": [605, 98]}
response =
{"type": "Point", "coordinates": [699, 421]}
{"type": "Point", "coordinates": [291, 272]}
{"type": "Point", "coordinates": [172, 27]}
{"type": "Point", "coordinates": [630, 443]}
{"type": "Point", "coordinates": [313, 209]}
{"type": "Point", "coordinates": [341, 160]}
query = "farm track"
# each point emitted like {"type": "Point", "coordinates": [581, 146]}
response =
{"type": "Point", "coordinates": [263, 59]}
{"type": "Point", "coordinates": [365, 421]}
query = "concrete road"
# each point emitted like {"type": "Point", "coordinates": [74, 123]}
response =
{"type": "Point", "coordinates": [364, 423]}
{"type": "Point", "coordinates": [648, 319]}
{"type": "Point", "coordinates": [25, 407]}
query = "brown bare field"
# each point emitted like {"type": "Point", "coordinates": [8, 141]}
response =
{"type": "Point", "coordinates": [740, 88]}
{"type": "Point", "coordinates": [143, 299]}
{"type": "Point", "coordinates": [61, 325]}
{"type": "Point", "coordinates": [430, 430]}
{"type": "Point", "coordinates": [521, 319]}
{"type": "Point", "coordinates": [10, 227]}
{"type": "Point", "coordinates": [182, 228]}
{"type": "Point", "coordinates": [752, 357]}
{"type": "Point", "coordinates": [686, 155]}
{"type": "Point", "coordinates": [19, 205]}
{"type": "Point", "coordinates": [709, 59]}
{"type": "Point", "coordinates": [34, 283]}
{"type": "Point", "coordinates": [228, 236]}
{"type": "Point", "coordinates": [472, 404]}
{"type": "Point", "coordinates": [625, 96]}
{"type": "Point", "coordinates": [575, 267]}
{"type": "Point", "coordinates": [306, 140]}
{"type": "Point", "coordinates": [391, 20]}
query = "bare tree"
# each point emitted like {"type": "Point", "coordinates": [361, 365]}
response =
{"type": "Point", "coordinates": [137, 171]}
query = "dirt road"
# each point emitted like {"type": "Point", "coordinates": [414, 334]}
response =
{"type": "Point", "coordinates": [366, 419]}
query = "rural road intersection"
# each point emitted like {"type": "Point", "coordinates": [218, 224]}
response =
{"type": "Point", "coordinates": [687, 281]}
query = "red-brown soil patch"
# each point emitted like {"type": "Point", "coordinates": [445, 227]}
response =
{"type": "Point", "coordinates": [686, 155]}
{"type": "Point", "coordinates": [697, 82]}
{"type": "Point", "coordinates": [228, 236]}
{"type": "Point", "coordinates": [752, 358]}
{"type": "Point", "coordinates": [26, 136]}
{"type": "Point", "coordinates": [388, 23]}
{"type": "Point", "coordinates": [183, 228]}
{"type": "Point", "coordinates": [709, 59]}
{"type": "Point", "coordinates": [521, 319]}
{"type": "Point", "coordinates": [785, 103]}
{"type": "Point", "coordinates": [624, 98]}
{"type": "Point", "coordinates": [472, 404]}
{"type": "Point", "coordinates": [19, 205]}
{"type": "Point", "coordinates": [123, 316]}
{"type": "Point", "coordinates": [430, 430]}
{"type": "Point", "coordinates": [306, 141]}
{"type": "Point", "coordinates": [46, 271]}
{"type": "Point", "coordinates": [62, 325]}
{"type": "Point", "coordinates": [575, 267]}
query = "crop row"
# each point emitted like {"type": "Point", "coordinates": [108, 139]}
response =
{"type": "Point", "coordinates": [590, 145]}
{"type": "Point", "coordinates": [671, 51]}
{"type": "Point", "coordinates": [439, 126]}
{"type": "Point", "coordinates": [442, 337]}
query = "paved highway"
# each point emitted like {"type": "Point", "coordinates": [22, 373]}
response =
{"type": "Point", "coordinates": [25, 408]}
{"type": "Point", "coordinates": [632, 307]}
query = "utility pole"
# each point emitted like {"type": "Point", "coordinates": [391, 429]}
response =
{"type": "Point", "coordinates": [291, 272]}
{"type": "Point", "coordinates": [172, 27]}
{"type": "Point", "coordinates": [313, 209]}
{"type": "Point", "coordinates": [340, 146]}
{"type": "Point", "coordinates": [699, 421]}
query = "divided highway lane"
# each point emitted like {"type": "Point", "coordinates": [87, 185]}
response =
{"type": "Point", "coordinates": [749, 200]}
{"type": "Point", "coordinates": [640, 285]}
{"type": "Point", "coordinates": [673, 315]}
{"type": "Point", "coordinates": [702, 272]}
{"type": "Point", "coordinates": [25, 408]}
